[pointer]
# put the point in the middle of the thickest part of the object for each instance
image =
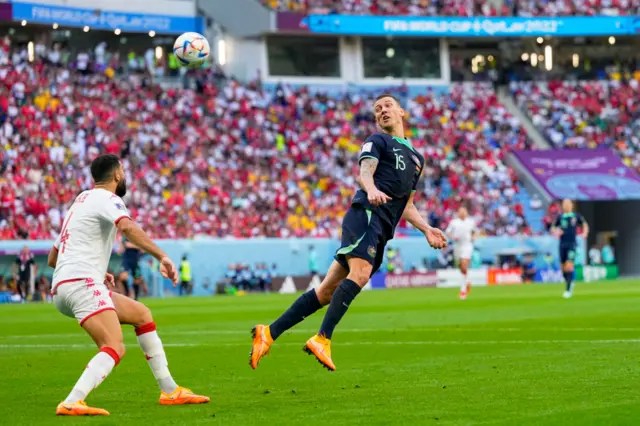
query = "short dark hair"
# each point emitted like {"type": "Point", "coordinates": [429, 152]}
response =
{"type": "Point", "coordinates": [387, 95]}
{"type": "Point", "coordinates": [103, 166]}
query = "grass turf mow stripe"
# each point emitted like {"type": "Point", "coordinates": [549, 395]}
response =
{"type": "Point", "coordinates": [517, 355]}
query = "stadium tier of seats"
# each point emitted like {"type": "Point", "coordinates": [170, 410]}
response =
{"type": "Point", "coordinates": [231, 160]}
{"type": "Point", "coordinates": [586, 114]}
{"type": "Point", "coordinates": [460, 7]}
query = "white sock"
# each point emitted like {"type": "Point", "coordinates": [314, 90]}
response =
{"type": "Point", "coordinates": [463, 285]}
{"type": "Point", "coordinates": [151, 345]}
{"type": "Point", "coordinates": [97, 370]}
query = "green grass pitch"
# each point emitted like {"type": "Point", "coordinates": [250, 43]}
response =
{"type": "Point", "coordinates": [517, 355]}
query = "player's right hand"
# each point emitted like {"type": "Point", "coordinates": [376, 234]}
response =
{"type": "Point", "coordinates": [377, 197]}
{"type": "Point", "coordinates": [168, 270]}
{"type": "Point", "coordinates": [436, 238]}
{"type": "Point", "coordinates": [109, 280]}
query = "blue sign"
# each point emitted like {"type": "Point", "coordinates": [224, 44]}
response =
{"type": "Point", "coordinates": [548, 276]}
{"type": "Point", "coordinates": [105, 19]}
{"type": "Point", "coordinates": [473, 27]}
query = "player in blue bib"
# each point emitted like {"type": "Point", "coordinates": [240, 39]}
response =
{"type": "Point", "coordinates": [567, 227]}
{"type": "Point", "coordinates": [389, 172]}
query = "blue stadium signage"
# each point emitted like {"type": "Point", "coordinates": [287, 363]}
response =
{"type": "Point", "coordinates": [472, 27]}
{"type": "Point", "coordinates": [105, 19]}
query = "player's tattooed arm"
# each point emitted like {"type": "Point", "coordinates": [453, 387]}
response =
{"type": "Point", "coordinates": [367, 170]}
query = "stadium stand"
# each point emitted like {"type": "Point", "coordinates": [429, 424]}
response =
{"type": "Point", "coordinates": [525, 8]}
{"type": "Point", "coordinates": [232, 160]}
{"type": "Point", "coordinates": [586, 114]}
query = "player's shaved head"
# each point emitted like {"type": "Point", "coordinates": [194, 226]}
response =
{"type": "Point", "coordinates": [567, 205]}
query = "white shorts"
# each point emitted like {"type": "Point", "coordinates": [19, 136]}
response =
{"type": "Point", "coordinates": [462, 251]}
{"type": "Point", "coordinates": [82, 298]}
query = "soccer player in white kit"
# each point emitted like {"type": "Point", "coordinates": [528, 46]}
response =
{"type": "Point", "coordinates": [81, 284]}
{"type": "Point", "coordinates": [462, 230]}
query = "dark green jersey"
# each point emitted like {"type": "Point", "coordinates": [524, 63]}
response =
{"type": "Point", "coordinates": [569, 223]}
{"type": "Point", "coordinates": [397, 174]}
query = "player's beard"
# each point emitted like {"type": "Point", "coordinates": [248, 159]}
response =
{"type": "Point", "coordinates": [121, 189]}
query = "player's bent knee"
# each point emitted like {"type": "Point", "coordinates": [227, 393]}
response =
{"type": "Point", "coordinates": [145, 315]}
{"type": "Point", "coordinates": [117, 347]}
{"type": "Point", "coordinates": [361, 275]}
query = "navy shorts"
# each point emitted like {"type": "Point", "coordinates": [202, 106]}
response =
{"type": "Point", "coordinates": [133, 269]}
{"type": "Point", "coordinates": [364, 235]}
{"type": "Point", "coordinates": [567, 253]}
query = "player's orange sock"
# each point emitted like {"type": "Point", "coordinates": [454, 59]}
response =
{"type": "Point", "coordinates": [151, 345]}
{"type": "Point", "coordinates": [96, 371]}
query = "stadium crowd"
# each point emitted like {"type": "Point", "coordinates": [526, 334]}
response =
{"type": "Point", "coordinates": [586, 114]}
{"type": "Point", "coordinates": [525, 8]}
{"type": "Point", "coordinates": [232, 160]}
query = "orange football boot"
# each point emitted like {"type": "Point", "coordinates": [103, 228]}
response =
{"type": "Point", "coordinates": [79, 408]}
{"type": "Point", "coordinates": [320, 347]}
{"type": "Point", "coordinates": [262, 342]}
{"type": "Point", "coordinates": [182, 396]}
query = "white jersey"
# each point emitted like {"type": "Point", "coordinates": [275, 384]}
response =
{"type": "Point", "coordinates": [461, 230]}
{"type": "Point", "coordinates": [86, 239]}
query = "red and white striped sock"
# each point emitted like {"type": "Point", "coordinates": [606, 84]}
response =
{"type": "Point", "coordinates": [96, 371]}
{"type": "Point", "coordinates": [151, 345]}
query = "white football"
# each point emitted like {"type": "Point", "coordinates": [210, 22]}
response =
{"type": "Point", "coordinates": [191, 48]}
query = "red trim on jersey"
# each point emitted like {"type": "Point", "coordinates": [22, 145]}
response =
{"type": "Point", "coordinates": [55, 248]}
{"type": "Point", "coordinates": [145, 328]}
{"type": "Point", "coordinates": [55, 287]}
{"type": "Point", "coordinates": [99, 311]}
{"type": "Point", "coordinates": [120, 218]}
{"type": "Point", "coordinates": [112, 353]}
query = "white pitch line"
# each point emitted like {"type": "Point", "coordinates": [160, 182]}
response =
{"type": "Point", "coordinates": [171, 331]}
{"type": "Point", "coordinates": [382, 343]}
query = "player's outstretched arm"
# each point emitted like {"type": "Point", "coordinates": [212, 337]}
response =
{"type": "Point", "coordinates": [435, 237]}
{"type": "Point", "coordinates": [138, 237]}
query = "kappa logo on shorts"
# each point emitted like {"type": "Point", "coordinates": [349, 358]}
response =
{"type": "Point", "coordinates": [372, 251]}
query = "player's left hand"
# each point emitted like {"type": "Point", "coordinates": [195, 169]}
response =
{"type": "Point", "coordinates": [109, 280]}
{"type": "Point", "coordinates": [436, 238]}
{"type": "Point", "coordinates": [168, 270]}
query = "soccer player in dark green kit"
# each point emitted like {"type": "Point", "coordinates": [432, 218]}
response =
{"type": "Point", "coordinates": [389, 172]}
{"type": "Point", "coordinates": [566, 228]}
